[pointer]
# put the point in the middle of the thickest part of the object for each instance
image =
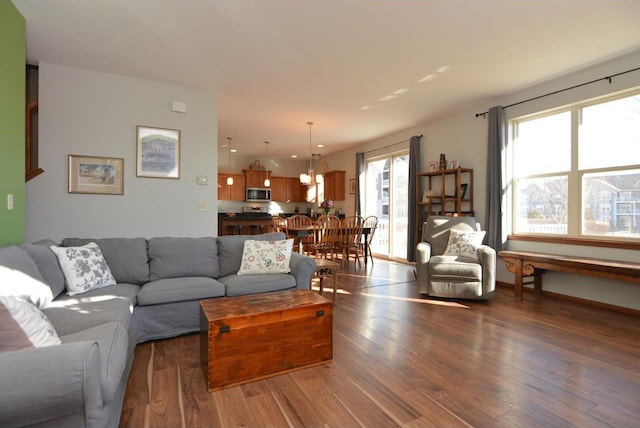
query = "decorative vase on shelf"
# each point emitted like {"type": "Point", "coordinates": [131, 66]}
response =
{"type": "Point", "coordinates": [443, 162]}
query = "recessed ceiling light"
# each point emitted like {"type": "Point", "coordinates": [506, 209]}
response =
{"type": "Point", "coordinates": [401, 91]}
{"type": "Point", "coordinates": [294, 156]}
{"type": "Point", "coordinates": [427, 78]}
{"type": "Point", "coordinates": [233, 150]}
{"type": "Point", "coordinates": [366, 107]}
{"type": "Point", "coordinates": [387, 98]}
{"type": "Point", "coordinates": [444, 68]}
{"type": "Point", "coordinates": [320, 145]}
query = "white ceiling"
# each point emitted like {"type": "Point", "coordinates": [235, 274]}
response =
{"type": "Point", "coordinates": [351, 66]}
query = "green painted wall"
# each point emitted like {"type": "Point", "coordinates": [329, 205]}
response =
{"type": "Point", "coordinates": [12, 104]}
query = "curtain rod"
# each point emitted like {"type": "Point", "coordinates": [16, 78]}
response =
{"type": "Point", "coordinates": [391, 145]}
{"type": "Point", "coordinates": [484, 114]}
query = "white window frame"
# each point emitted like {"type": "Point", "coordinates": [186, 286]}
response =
{"type": "Point", "coordinates": [575, 175]}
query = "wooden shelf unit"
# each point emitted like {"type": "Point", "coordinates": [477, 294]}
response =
{"type": "Point", "coordinates": [451, 194]}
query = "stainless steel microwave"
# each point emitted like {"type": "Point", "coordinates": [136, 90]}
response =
{"type": "Point", "coordinates": [257, 194]}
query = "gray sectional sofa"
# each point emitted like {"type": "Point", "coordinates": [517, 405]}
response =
{"type": "Point", "coordinates": [160, 281]}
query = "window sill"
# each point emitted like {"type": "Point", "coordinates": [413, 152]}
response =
{"type": "Point", "coordinates": [587, 242]}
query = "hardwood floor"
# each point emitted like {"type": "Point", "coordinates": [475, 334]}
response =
{"type": "Point", "coordinates": [402, 360]}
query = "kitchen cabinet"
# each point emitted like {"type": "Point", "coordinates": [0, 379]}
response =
{"type": "Point", "coordinates": [234, 192]}
{"type": "Point", "coordinates": [334, 184]}
{"type": "Point", "coordinates": [296, 191]}
{"type": "Point", "coordinates": [287, 189]}
{"type": "Point", "coordinates": [278, 189]}
{"type": "Point", "coordinates": [255, 178]}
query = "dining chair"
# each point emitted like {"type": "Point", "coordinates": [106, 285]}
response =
{"type": "Point", "coordinates": [370, 223]}
{"type": "Point", "coordinates": [326, 237]}
{"type": "Point", "coordinates": [350, 238]}
{"type": "Point", "coordinates": [280, 225]}
{"type": "Point", "coordinates": [298, 220]}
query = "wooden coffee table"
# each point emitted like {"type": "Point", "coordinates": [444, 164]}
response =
{"type": "Point", "coordinates": [246, 338]}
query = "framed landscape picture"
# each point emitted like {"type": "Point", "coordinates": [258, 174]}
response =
{"type": "Point", "coordinates": [95, 174]}
{"type": "Point", "coordinates": [158, 152]}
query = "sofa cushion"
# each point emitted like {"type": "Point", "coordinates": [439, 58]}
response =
{"type": "Point", "coordinates": [230, 249]}
{"type": "Point", "coordinates": [179, 289]}
{"type": "Point", "coordinates": [113, 344]}
{"type": "Point", "coordinates": [20, 277]}
{"type": "Point", "coordinates": [181, 257]}
{"type": "Point", "coordinates": [443, 267]}
{"type": "Point", "coordinates": [70, 314]}
{"type": "Point", "coordinates": [127, 257]}
{"type": "Point", "coordinates": [238, 285]}
{"type": "Point", "coordinates": [264, 257]}
{"type": "Point", "coordinates": [47, 263]}
{"type": "Point", "coordinates": [84, 268]}
{"type": "Point", "coordinates": [22, 325]}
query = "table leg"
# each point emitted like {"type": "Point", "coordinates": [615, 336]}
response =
{"type": "Point", "coordinates": [537, 281]}
{"type": "Point", "coordinates": [515, 265]}
{"type": "Point", "coordinates": [335, 285]}
{"type": "Point", "coordinates": [518, 280]}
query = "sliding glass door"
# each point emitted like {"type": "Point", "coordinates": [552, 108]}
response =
{"type": "Point", "coordinates": [387, 197]}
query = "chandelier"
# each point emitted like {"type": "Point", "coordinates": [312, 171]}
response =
{"type": "Point", "coordinates": [310, 178]}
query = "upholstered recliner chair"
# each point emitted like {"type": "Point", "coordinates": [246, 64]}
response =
{"type": "Point", "coordinates": [451, 260]}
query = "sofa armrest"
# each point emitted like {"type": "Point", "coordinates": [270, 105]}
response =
{"type": "Point", "coordinates": [423, 254]}
{"type": "Point", "coordinates": [487, 258]}
{"type": "Point", "coordinates": [302, 268]}
{"type": "Point", "coordinates": [47, 385]}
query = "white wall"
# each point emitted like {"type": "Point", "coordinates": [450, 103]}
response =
{"type": "Point", "coordinates": [88, 113]}
{"type": "Point", "coordinates": [463, 137]}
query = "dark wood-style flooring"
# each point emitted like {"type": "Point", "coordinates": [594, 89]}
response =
{"type": "Point", "coordinates": [404, 361]}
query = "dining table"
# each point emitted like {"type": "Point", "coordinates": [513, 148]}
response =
{"type": "Point", "coordinates": [299, 232]}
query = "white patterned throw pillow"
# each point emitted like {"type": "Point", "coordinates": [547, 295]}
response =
{"type": "Point", "coordinates": [261, 257]}
{"type": "Point", "coordinates": [22, 325]}
{"type": "Point", "coordinates": [464, 244]}
{"type": "Point", "coordinates": [84, 268]}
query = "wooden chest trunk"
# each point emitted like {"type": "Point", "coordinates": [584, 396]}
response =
{"type": "Point", "coordinates": [251, 337]}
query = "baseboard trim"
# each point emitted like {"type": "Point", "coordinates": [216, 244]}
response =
{"type": "Point", "coordinates": [580, 300]}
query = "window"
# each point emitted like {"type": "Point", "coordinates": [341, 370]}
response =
{"type": "Point", "coordinates": [577, 170]}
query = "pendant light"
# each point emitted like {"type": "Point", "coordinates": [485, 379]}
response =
{"type": "Point", "coordinates": [267, 182]}
{"type": "Point", "coordinates": [310, 178]}
{"type": "Point", "coordinates": [229, 178]}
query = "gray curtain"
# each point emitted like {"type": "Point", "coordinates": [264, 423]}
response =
{"type": "Point", "coordinates": [496, 179]}
{"type": "Point", "coordinates": [414, 162]}
{"type": "Point", "coordinates": [359, 179]}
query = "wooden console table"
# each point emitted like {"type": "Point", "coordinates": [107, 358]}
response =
{"type": "Point", "coordinates": [525, 264]}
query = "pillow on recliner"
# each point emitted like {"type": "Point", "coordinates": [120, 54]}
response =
{"type": "Point", "coordinates": [464, 245]}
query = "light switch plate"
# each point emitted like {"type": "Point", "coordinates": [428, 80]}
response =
{"type": "Point", "coordinates": [203, 180]}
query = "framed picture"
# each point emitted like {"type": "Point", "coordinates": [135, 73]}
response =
{"type": "Point", "coordinates": [454, 164]}
{"type": "Point", "coordinates": [94, 174]}
{"type": "Point", "coordinates": [433, 166]}
{"type": "Point", "coordinates": [352, 186]}
{"type": "Point", "coordinates": [158, 152]}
